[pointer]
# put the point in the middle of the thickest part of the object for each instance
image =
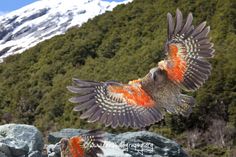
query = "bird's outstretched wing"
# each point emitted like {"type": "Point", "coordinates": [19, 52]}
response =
{"type": "Point", "coordinates": [187, 49]}
{"type": "Point", "coordinates": [115, 104]}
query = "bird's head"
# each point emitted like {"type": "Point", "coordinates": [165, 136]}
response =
{"type": "Point", "coordinates": [158, 76]}
{"type": "Point", "coordinates": [155, 79]}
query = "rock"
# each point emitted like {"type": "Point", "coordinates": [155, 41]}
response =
{"type": "Point", "coordinates": [17, 148]}
{"type": "Point", "coordinates": [2, 154]}
{"type": "Point", "coordinates": [4, 149]}
{"type": "Point", "coordinates": [135, 144]}
{"type": "Point", "coordinates": [146, 143]}
{"type": "Point", "coordinates": [35, 154]}
{"type": "Point", "coordinates": [20, 140]}
{"type": "Point", "coordinates": [111, 149]}
{"type": "Point", "coordinates": [53, 150]}
{"type": "Point", "coordinates": [55, 137]}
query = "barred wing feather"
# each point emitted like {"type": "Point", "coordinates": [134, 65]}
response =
{"type": "Point", "coordinates": [115, 104]}
{"type": "Point", "coordinates": [187, 51]}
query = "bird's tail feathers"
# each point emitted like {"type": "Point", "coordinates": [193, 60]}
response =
{"type": "Point", "coordinates": [186, 104]}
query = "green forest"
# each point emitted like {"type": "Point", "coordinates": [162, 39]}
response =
{"type": "Point", "coordinates": [123, 45]}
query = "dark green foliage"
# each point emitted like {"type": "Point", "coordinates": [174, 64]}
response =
{"type": "Point", "coordinates": [120, 45]}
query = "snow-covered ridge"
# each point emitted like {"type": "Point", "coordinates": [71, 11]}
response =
{"type": "Point", "coordinates": [43, 19]}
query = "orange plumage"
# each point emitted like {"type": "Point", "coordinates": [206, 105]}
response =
{"type": "Point", "coordinates": [177, 69]}
{"type": "Point", "coordinates": [76, 147]}
{"type": "Point", "coordinates": [133, 94]}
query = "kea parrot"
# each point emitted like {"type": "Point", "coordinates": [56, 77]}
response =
{"type": "Point", "coordinates": [143, 102]}
{"type": "Point", "coordinates": [85, 145]}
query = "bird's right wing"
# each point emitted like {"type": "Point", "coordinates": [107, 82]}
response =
{"type": "Point", "coordinates": [115, 104]}
{"type": "Point", "coordinates": [187, 51]}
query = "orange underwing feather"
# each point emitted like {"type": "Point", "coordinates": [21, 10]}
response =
{"type": "Point", "coordinates": [178, 68]}
{"type": "Point", "coordinates": [188, 49]}
{"type": "Point", "coordinates": [76, 147]}
{"type": "Point", "coordinates": [133, 94]}
{"type": "Point", "coordinates": [115, 104]}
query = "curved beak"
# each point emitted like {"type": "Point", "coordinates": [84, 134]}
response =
{"type": "Point", "coordinates": [152, 72]}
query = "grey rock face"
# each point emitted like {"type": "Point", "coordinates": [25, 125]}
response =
{"type": "Point", "coordinates": [2, 154]}
{"type": "Point", "coordinates": [18, 140]}
{"type": "Point", "coordinates": [53, 150]}
{"type": "Point", "coordinates": [143, 143]}
{"type": "Point", "coordinates": [135, 144]}
{"type": "Point", "coordinates": [55, 137]}
{"type": "Point", "coordinates": [4, 149]}
{"type": "Point", "coordinates": [35, 154]}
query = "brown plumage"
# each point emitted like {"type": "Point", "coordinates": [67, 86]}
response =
{"type": "Point", "coordinates": [144, 101]}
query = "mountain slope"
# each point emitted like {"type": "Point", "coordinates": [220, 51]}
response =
{"type": "Point", "coordinates": [25, 27]}
{"type": "Point", "coordinates": [123, 45]}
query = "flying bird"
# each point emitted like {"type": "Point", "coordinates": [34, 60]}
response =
{"type": "Point", "coordinates": [144, 101]}
{"type": "Point", "coordinates": [86, 145]}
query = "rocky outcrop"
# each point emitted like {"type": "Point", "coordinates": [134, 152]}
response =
{"type": "Point", "coordinates": [19, 140]}
{"type": "Point", "coordinates": [135, 144]}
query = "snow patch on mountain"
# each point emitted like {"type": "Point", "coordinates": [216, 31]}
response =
{"type": "Point", "coordinates": [43, 19]}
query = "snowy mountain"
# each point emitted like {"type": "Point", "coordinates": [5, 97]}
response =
{"type": "Point", "coordinates": [27, 26]}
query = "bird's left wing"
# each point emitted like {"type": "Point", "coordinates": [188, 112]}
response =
{"type": "Point", "coordinates": [115, 104]}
